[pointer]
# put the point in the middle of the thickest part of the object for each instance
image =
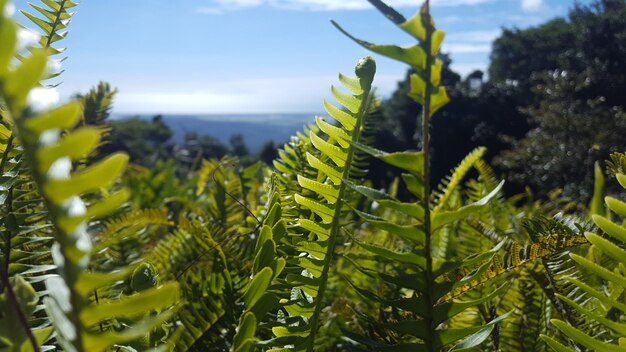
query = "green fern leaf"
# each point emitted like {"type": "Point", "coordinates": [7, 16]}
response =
{"type": "Point", "coordinates": [327, 159]}
{"type": "Point", "coordinates": [609, 243]}
{"type": "Point", "coordinates": [50, 159]}
{"type": "Point", "coordinates": [53, 25]}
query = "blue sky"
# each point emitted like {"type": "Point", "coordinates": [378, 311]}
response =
{"type": "Point", "coordinates": [260, 56]}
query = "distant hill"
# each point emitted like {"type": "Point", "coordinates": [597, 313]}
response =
{"type": "Point", "coordinates": [256, 129]}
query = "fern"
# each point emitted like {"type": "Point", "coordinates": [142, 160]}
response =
{"type": "Point", "coordinates": [417, 273]}
{"type": "Point", "coordinates": [601, 301]}
{"type": "Point", "coordinates": [114, 229]}
{"type": "Point", "coordinates": [53, 24]}
{"type": "Point", "coordinates": [450, 279]}
{"type": "Point", "coordinates": [49, 154]}
{"type": "Point", "coordinates": [333, 163]}
{"type": "Point", "coordinates": [306, 256]}
{"type": "Point", "coordinates": [206, 304]}
{"type": "Point", "coordinates": [521, 332]}
{"type": "Point", "coordinates": [25, 258]}
{"type": "Point", "coordinates": [97, 104]}
{"type": "Point", "coordinates": [320, 194]}
{"type": "Point", "coordinates": [259, 299]}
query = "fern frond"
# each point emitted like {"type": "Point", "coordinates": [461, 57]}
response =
{"type": "Point", "coordinates": [24, 260]}
{"type": "Point", "coordinates": [521, 332]}
{"type": "Point", "coordinates": [260, 294]}
{"type": "Point", "coordinates": [112, 231]}
{"type": "Point", "coordinates": [320, 195]}
{"type": "Point", "coordinates": [421, 56]}
{"type": "Point", "coordinates": [515, 257]}
{"type": "Point", "coordinates": [25, 236]}
{"type": "Point", "coordinates": [411, 321]}
{"type": "Point", "coordinates": [53, 21]}
{"type": "Point", "coordinates": [97, 104]}
{"type": "Point", "coordinates": [451, 279]}
{"type": "Point", "coordinates": [173, 258]}
{"type": "Point", "coordinates": [49, 154]}
{"type": "Point", "coordinates": [451, 183]}
{"type": "Point", "coordinates": [24, 257]}
{"type": "Point", "coordinates": [604, 306]}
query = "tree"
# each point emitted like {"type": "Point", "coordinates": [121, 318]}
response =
{"type": "Point", "coordinates": [268, 153]}
{"type": "Point", "coordinates": [519, 54]}
{"type": "Point", "coordinates": [569, 136]}
{"type": "Point", "coordinates": [577, 106]}
{"type": "Point", "coordinates": [238, 146]}
{"type": "Point", "coordinates": [145, 141]}
{"type": "Point", "coordinates": [207, 147]}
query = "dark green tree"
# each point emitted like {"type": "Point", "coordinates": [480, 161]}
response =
{"type": "Point", "coordinates": [207, 147]}
{"type": "Point", "coordinates": [569, 136]}
{"type": "Point", "coordinates": [145, 141]}
{"type": "Point", "coordinates": [577, 99]}
{"type": "Point", "coordinates": [238, 146]}
{"type": "Point", "coordinates": [269, 152]}
{"type": "Point", "coordinates": [517, 54]}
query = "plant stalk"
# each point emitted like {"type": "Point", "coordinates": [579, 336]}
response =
{"type": "Point", "coordinates": [7, 240]}
{"type": "Point", "coordinates": [335, 224]}
{"type": "Point", "coordinates": [57, 20]}
{"type": "Point", "coordinates": [13, 301]}
{"type": "Point", "coordinates": [426, 152]}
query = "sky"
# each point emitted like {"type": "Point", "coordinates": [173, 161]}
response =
{"type": "Point", "coordinates": [260, 56]}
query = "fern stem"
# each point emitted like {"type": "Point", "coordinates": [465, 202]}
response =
{"type": "Point", "coordinates": [426, 151]}
{"type": "Point", "coordinates": [7, 246]}
{"type": "Point", "coordinates": [69, 276]}
{"type": "Point", "coordinates": [56, 22]}
{"type": "Point", "coordinates": [23, 320]}
{"type": "Point", "coordinates": [335, 224]}
{"type": "Point", "coordinates": [5, 156]}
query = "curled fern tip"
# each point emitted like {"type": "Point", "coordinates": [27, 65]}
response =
{"type": "Point", "coordinates": [365, 71]}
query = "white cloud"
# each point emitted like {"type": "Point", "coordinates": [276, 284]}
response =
{"type": "Point", "coordinates": [177, 102]}
{"type": "Point", "coordinates": [9, 10]}
{"type": "Point", "coordinates": [531, 5]}
{"type": "Point", "coordinates": [40, 99]}
{"type": "Point", "coordinates": [471, 42]}
{"type": "Point", "coordinates": [217, 6]}
{"type": "Point", "coordinates": [54, 66]}
{"type": "Point", "coordinates": [259, 95]}
{"type": "Point", "coordinates": [26, 38]}
{"type": "Point", "coordinates": [474, 36]}
{"type": "Point", "coordinates": [466, 48]}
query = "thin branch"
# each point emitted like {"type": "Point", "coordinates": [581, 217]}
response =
{"type": "Point", "coordinates": [21, 317]}
{"type": "Point", "coordinates": [426, 114]}
{"type": "Point", "coordinates": [57, 20]}
{"type": "Point", "coordinates": [9, 200]}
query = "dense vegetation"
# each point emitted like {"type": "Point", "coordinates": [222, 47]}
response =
{"type": "Point", "coordinates": [211, 252]}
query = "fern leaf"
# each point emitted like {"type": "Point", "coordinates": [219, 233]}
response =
{"type": "Point", "coordinates": [418, 225]}
{"type": "Point", "coordinates": [172, 258]}
{"type": "Point", "coordinates": [321, 192]}
{"type": "Point", "coordinates": [114, 229]}
{"type": "Point", "coordinates": [421, 56]}
{"type": "Point", "coordinates": [53, 22]}
{"type": "Point", "coordinates": [610, 243]}
{"type": "Point", "coordinates": [97, 104]}
{"type": "Point", "coordinates": [63, 191]}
